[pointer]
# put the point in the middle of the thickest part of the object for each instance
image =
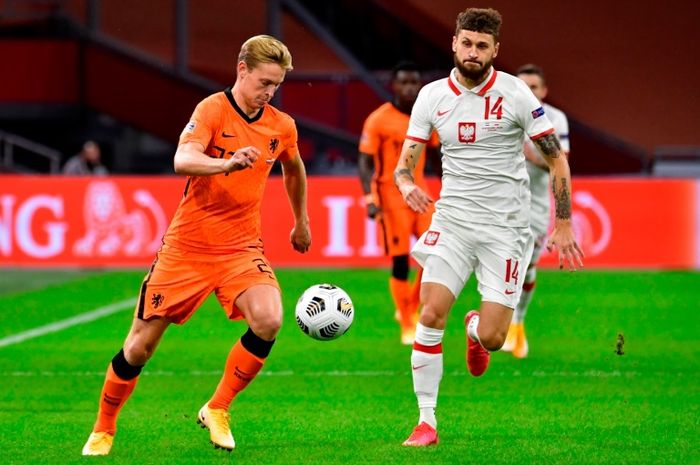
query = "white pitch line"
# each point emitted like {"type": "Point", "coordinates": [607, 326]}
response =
{"type": "Point", "coordinates": [360, 374]}
{"type": "Point", "coordinates": [68, 322]}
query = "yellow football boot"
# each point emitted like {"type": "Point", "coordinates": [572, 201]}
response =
{"type": "Point", "coordinates": [217, 421]}
{"type": "Point", "coordinates": [511, 337]}
{"type": "Point", "coordinates": [521, 348]}
{"type": "Point", "coordinates": [98, 443]}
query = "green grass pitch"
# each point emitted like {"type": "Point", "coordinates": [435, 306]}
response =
{"type": "Point", "coordinates": [350, 401]}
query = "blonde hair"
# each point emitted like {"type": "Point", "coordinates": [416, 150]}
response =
{"type": "Point", "coordinates": [265, 49]}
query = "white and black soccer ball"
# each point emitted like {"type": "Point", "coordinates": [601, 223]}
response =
{"type": "Point", "coordinates": [324, 312]}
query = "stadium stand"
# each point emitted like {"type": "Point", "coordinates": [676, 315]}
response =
{"type": "Point", "coordinates": [187, 51]}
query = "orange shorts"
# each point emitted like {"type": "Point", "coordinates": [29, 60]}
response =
{"type": "Point", "coordinates": [180, 281]}
{"type": "Point", "coordinates": [397, 226]}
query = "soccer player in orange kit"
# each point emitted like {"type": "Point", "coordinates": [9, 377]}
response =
{"type": "Point", "coordinates": [213, 243]}
{"type": "Point", "coordinates": [380, 147]}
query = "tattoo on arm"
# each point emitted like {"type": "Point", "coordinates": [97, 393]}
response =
{"type": "Point", "coordinates": [562, 199]}
{"type": "Point", "coordinates": [407, 162]}
{"type": "Point", "coordinates": [549, 145]}
{"type": "Point", "coordinates": [403, 172]}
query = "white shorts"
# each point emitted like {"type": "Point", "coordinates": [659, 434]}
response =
{"type": "Point", "coordinates": [437, 270]}
{"type": "Point", "coordinates": [499, 257]}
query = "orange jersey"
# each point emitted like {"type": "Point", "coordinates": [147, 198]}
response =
{"type": "Point", "coordinates": [383, 135]}
{"type": "Point", "coordinates": [221, 213]}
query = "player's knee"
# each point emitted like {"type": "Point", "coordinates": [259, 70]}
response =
{"type": "Point", "coordinates": [266, 324]}
{"type": "Point", "coordinates": [432, 315]}
{"type": "Point", "coordinates": [138, 352]}
{"type": "Point", "coordinates": [494, 344]}
{"type": "Point", "coordinates": [492, 339]}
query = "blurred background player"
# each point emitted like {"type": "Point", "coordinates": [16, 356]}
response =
{"type": "Point", "coordinates": [481, 223]}
{"type": "Point", "coordinates": [380, 147]}
{"type": "Point", "coordinates": [87, 162]}
{"type": "Point", "coordinates": [537, 169]}
{"type": "Point", "coordinates": [214, 241]}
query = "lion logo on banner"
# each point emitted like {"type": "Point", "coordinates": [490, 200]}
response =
{"type": "Point", "coordinates": [112, 230]}
{"type": "Point", "coordinates": [591, 223]}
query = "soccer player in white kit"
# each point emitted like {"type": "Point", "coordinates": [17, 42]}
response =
{"type": "Point", "coordinates": [538, 171]}
{"type": "Point", "coordinates": [482, 220]}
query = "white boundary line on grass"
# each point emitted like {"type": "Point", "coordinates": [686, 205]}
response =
{"type": "Point", "coordinates": [361, 374]}
{"type": "Point", "coordinates": [68, 322]}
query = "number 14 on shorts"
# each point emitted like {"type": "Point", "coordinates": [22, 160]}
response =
{"type": "Point", "coordinates": [512, 272]}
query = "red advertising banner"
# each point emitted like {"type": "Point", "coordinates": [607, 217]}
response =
{"type": "Point", "coordinates": [636, 223]}
{"type": "Point", "coordinates": [82, 221]}
{"type": "Point", "coordinates": [119, 221]}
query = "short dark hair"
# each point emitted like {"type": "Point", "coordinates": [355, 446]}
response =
{"type": "Point", "coordinates": [404, 65]}
{"type": "Point", "coordinates": [531, 68]}
{"type": "Point", "coordinates": [486, 20]}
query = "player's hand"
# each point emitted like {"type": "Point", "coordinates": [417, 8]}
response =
{"type": "Point", "coordinates": [300, 237]}
{"type": "Point", "coordinates": [563, 239]}
{"type": "Point", "coordinates": [373, 210]}
{"type": "Point", "coordinates": [242, 159]}
{"type": "Point", "coordinates": [415, 197]}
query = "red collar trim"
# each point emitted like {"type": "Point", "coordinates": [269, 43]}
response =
{"type": "Point", "coordinates": [481, 92]}
{"type": "Point", "coordinates": [488, 84]}
{"type": "Point", "coordinates": [453, 86]}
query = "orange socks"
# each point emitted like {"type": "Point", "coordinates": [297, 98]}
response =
{"type": "Point", "coordinates": [241, 367]}
{"type": "Point", "coordinates": [244, 362]}
{"type": "Point", "coordinates": [114, 393]}
{"type": "Point", "coordinates": [401, 292]}
{"type": "Point", "coordinates": [414, 299]}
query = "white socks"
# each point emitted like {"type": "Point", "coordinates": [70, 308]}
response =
{"type": "Point", "coordinates": [471, 329]}
{"type": "Point", "coordinates": [523, 303]}
{"type": "Point", "coordinates": [526, 296]}
{"type": "Point", "coordinates": [426, 365]}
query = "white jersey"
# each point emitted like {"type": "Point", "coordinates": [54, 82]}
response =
{"type": "Point", "coordinates": [481, 130]}
{"type": "Point", "coordinates": [539, 178]}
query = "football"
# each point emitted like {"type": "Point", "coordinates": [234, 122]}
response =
{"type": "Point", "coordinates": [324, 312]}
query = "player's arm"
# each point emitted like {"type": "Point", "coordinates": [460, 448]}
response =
{"type": "Point", "coordinates": [403, 177]}
{"type": "Point", "coordinates": [295, 185]}
{"type": "Point", "coordinates": [191, 160]}
{"type": "Point", "coordinates": [562, 236]}
{"type": "Point", "coordinates": [534, 157]}
{"type": "Point", "coordinates": [365, 166]}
